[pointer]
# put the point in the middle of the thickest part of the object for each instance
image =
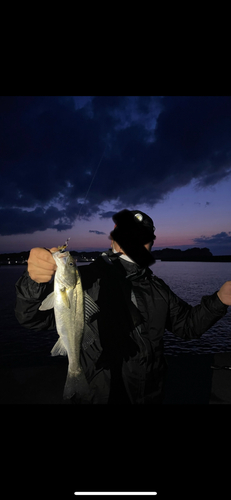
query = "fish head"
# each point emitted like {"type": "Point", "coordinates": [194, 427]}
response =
{"type": "Point", "coordinates": [66, 269]}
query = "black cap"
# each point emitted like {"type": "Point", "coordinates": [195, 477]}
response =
{"type": "Point", "coordinates": [146, 221]}
{"type": "Point", "coordinates": [133, 230]}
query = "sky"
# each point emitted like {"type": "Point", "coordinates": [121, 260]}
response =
{"type": "Point", "coordinates": [68, 163]}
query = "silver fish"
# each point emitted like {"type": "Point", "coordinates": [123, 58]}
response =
{"type": "Point", "coordinates": [68, 302]}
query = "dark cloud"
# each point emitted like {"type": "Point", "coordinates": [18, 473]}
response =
{"type": "Point", "coordinates": [222, 238]}
{"type": "Point", "coordinates": [19, 221]}
{"type": "Point", "coordinates": [50, 148]}
{"type": "Point", "coordinates": [96, 232]}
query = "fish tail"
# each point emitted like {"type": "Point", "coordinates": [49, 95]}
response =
{"type": "Point", "coordinates": [59, 349]}
{"type": "Point", "coordinates": [76, 383]}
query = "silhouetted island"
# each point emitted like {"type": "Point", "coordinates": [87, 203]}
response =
{"type": "Point", "coordinates": [190, 255]}
{"type": "Point", "coordinates": [166, 254]}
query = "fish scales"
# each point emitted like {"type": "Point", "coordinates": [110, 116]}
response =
{"type": "Point", "coordinates": [68, 302]}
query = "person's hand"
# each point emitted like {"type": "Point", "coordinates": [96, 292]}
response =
{"type": "Point", "coordinates": [224, 293]}
{"type": "Point", "coordinates": [41, 265]}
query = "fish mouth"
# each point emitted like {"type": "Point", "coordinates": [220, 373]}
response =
{"type": "Point", "coordinates": [63, 255]}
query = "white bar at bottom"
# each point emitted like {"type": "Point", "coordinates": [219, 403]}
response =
{"type": "Point", "coordinates": [139, 493]}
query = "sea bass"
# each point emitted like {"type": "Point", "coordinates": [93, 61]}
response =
{"type": "Point", "coordinates": [68, 302]}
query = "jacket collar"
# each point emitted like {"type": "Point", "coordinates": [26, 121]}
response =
{"type": "Point", "coordinates": [133, 271]}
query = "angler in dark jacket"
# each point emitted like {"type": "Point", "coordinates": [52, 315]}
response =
{"type": "Point", "coordinates": [122, 349]}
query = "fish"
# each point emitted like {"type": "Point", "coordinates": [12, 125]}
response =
{"type": "Point", "coordinates": [68, 302]}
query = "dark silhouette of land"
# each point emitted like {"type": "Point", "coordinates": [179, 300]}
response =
{"type": "Point", "coordinates": [190, 255]}
{"type": "Point", "coordinates": [166, 254]}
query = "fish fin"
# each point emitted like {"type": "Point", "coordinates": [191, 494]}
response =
{"type": "Point", "coordinates": [65, 298]}
{"type": "Point", "coordinates": [48, 302]}
{"type": "Point", "coordinates": [59, 349]}
{"type": "Point", "coordinates": [90, 307]}
{"type": "Point", "coordinates": [76, 383]}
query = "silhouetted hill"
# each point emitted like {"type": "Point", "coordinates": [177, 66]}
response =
{"type": "Point", "coordinates": [166, 254]}
{"type": "Point", "coordinates": [14, 258]}
{"type": "Point", "coordinates": [21, 258]}
{"type": "Point", "coordinates": [190, 255]}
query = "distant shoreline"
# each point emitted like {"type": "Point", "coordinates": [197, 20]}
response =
{"type": "Point", "coordinates": [165, 255]}
{"type": "Point", "coordinates": [216, 258]}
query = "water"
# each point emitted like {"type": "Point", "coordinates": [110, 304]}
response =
{"type": "Point", "coordinates": [189, 280]}
{"type": "Point", "coordinates": [14, 338]}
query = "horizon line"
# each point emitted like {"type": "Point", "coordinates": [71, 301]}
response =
{"type": "Point", "coordinates": [100, 250]}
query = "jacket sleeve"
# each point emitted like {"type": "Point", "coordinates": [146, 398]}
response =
{"type": "Point", "coordinates": [29, 296]}
{"type": "Point", "coordinates": [189, 322]}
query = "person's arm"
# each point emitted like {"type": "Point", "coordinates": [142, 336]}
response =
{"type": "Point", "coordinates": [189, 322]}
{"type": "Point", "coordinates": [32, 288]}
{"type": "Point", "coordinates": [224, 293]}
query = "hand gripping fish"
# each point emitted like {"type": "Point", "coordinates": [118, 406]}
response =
{"type": "Point", "coordinates": [67, 300]}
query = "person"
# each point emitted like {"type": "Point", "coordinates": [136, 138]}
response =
{"type": "Point", "coordinates": [122, 351]}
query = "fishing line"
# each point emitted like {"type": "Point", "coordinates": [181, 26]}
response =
{"type": "Point", "coordinates": [93, 178]}
{"type": "Point", "coordinates": [63, 247]}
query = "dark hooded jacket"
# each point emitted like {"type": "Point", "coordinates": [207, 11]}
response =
{"type": "Point", "coordinates": [122, 350]}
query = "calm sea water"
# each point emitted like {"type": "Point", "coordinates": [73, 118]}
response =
{"type": "Point", "coordinates": [189, 280]}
